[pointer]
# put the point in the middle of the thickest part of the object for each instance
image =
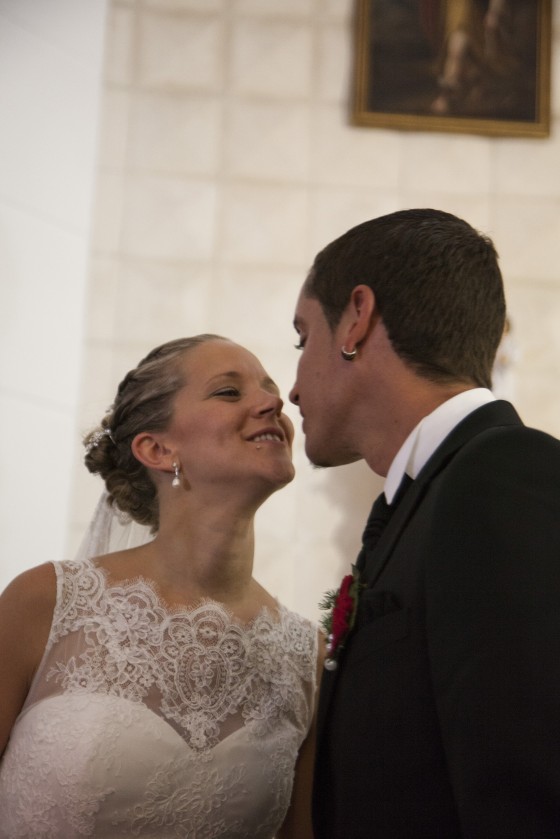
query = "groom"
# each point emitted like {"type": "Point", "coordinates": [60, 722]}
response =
{"type": "Point", "coordinates": [440, 715]}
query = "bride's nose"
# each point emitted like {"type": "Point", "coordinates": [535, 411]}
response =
{"type": "Point", "coordinates": [269, 403]}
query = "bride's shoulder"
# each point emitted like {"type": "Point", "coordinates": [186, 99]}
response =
{"type": "Point", "coordinates": [35, 586]}
{"type": "Point", "coordinates": [29, 600]}
{"type": "Point", "coordinates": [26, 609]}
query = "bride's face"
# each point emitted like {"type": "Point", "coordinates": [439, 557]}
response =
{"type": "Point", "coordinates": [227, 424]}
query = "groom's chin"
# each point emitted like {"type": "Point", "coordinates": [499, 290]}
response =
{"type": "Point", "coordinates": [323, 458]}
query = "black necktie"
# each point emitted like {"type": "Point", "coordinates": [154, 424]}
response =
{"type": "Point", "coordinates": [380, 514]}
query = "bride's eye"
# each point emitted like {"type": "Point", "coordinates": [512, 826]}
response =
{"type": "Point", "coordinates": [228, 391]}
{"type": "Point", "coordinates": [301, 344]}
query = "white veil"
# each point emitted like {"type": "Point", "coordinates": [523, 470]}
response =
{"type": "Point", "coordinates": [110, 530]}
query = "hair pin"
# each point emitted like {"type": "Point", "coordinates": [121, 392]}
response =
{"type": "Point", "coordinates": [96, 438]}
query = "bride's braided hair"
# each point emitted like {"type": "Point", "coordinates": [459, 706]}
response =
{"type": "Point", "coordinates": [144, 402]}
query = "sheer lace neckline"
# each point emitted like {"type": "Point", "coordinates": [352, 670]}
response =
{"type": "Point", "coordinates": [129, 585]}
{"type": "Point", "coordinates": [200, 668]}
{"type": "Point", "coordinates": [156, 722]}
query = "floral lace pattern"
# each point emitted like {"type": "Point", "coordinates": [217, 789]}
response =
{"type": "Point", "coordinates": [146, 721]}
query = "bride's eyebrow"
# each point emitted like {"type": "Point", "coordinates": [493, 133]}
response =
{"type": "Point", "coordinates": [270, 384]}
{"type": "Point", "coordinates": [267, 383]}
{"type": "Point", "coordinates": [227, 374]}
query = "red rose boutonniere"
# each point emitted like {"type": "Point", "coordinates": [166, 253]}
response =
{"type": "Point", "coordinates": [341, 606]}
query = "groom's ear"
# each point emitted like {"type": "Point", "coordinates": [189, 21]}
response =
{"type": "Point", "coordinates": [358, 316]}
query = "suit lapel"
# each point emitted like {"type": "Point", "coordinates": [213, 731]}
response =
{"type": "Point", "coordinates": [490, 416]}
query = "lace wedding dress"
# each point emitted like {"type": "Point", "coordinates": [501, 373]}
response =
{"type": "Point", "coordinates": [146, 721]}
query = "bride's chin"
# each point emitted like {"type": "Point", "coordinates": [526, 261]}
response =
{"type": "Point", "coordinates": [280, 478]}
{"type": "Point", "coordinates": [289, 477]}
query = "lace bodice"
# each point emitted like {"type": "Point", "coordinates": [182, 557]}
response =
{"type": "Point", "coordinates": [146, 721]}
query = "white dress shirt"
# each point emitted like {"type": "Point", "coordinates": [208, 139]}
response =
{"type": "Point", "coordinates": [432, 430]}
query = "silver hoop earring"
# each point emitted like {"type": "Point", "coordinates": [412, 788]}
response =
{"type": "Point", "coordinates": [348, 356]}
{"type": "Point", "coordinates": [176, 482]}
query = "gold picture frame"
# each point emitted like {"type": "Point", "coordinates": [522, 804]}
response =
{"type": "Point", "coordinates": [465, 66]}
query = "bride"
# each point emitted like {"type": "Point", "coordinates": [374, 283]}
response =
{"type": "Point", "coordinates": [159, 690]}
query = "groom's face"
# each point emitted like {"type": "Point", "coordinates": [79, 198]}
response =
{"type": "Point", "coordinates": [320, 387]}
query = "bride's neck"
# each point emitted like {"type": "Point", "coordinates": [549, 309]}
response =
{"type": "Point", "coordinates": [207, 552]}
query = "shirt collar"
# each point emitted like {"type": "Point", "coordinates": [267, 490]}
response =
{"type": "Point", "coordinates": [425, 438]}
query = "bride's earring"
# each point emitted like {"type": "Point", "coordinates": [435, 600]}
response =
{"type": "Point", "coordinates": [176, 482]}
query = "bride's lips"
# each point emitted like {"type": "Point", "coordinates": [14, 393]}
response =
{"type": "Point", "coordinates": [268, 435]}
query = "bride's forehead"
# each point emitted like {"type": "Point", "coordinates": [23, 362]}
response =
{"type": "Point", "coordinates": [214, 357]}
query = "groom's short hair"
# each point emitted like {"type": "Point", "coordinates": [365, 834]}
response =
{"type": "Point", "coordinates": [437, 286]}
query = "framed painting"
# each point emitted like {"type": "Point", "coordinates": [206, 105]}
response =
{"type": "Point", "coordinates": [471, 66]}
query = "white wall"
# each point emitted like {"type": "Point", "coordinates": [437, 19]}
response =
{"type": "Point", "coordinates": [50, 80]}
{"type": "Point", "coordinates": [227, 160]}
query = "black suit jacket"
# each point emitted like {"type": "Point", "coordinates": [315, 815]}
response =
{"type": "Point", "coordinates": [443, 718]}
